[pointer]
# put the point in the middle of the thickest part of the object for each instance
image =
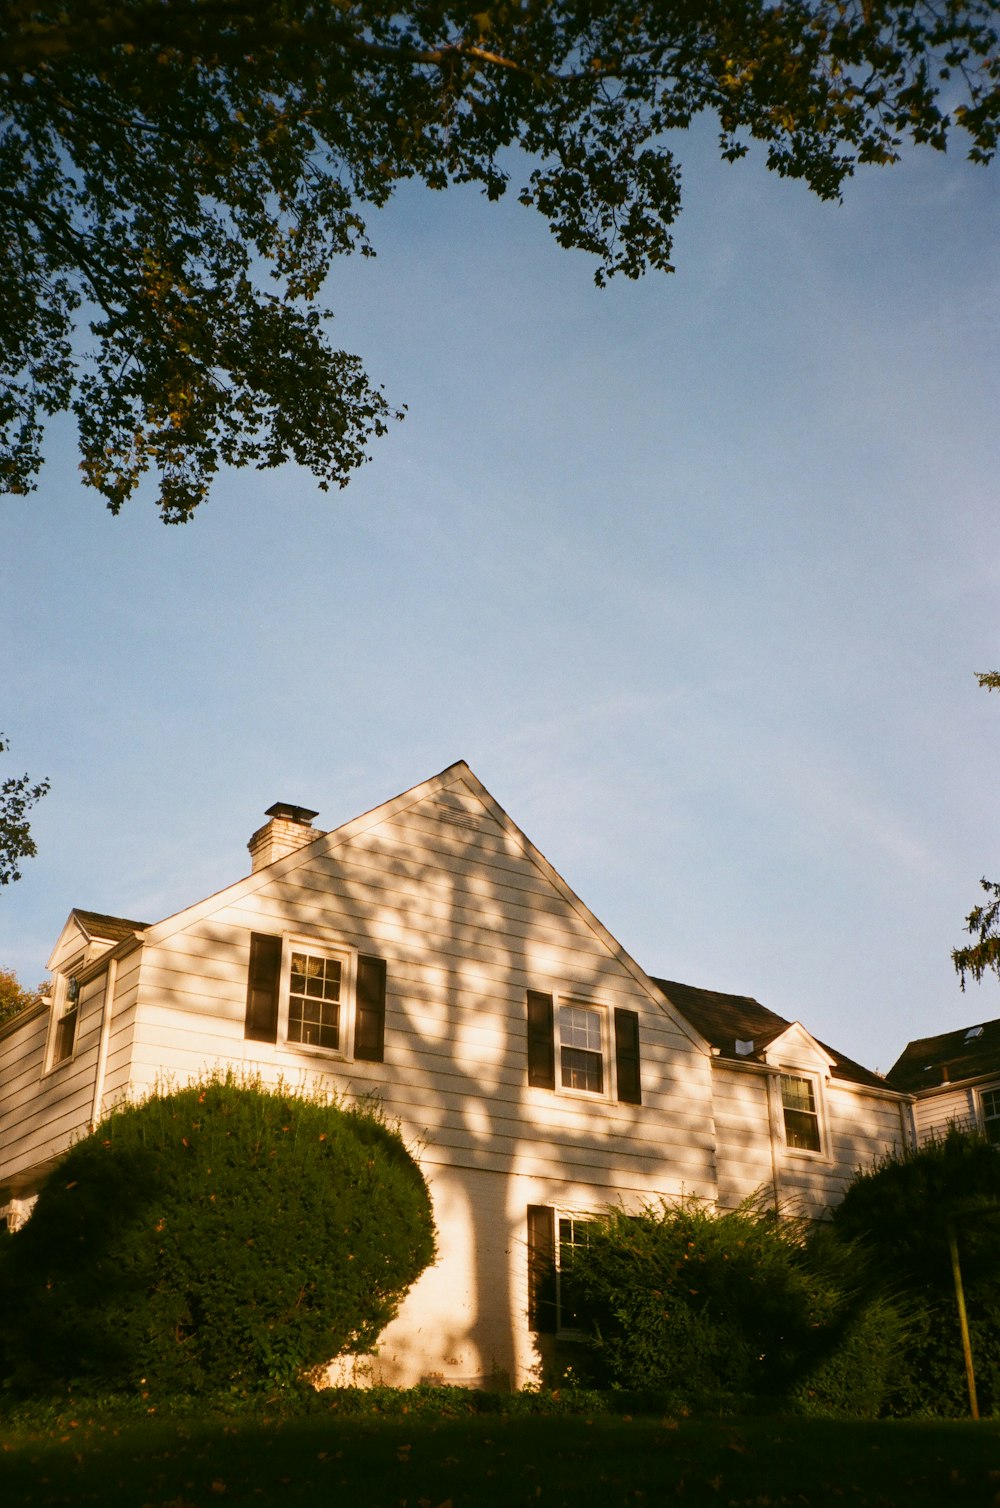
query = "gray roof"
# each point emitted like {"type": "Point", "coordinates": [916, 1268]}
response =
{"type": "Point", "coordinates": [725, 1020]}
{"type": "Point", "coordinates": [967, 1053]}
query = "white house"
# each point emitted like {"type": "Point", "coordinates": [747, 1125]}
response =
{"type": "Point", "coordinates": [955, 1081]}
{"type": "Point", "coordinates": [426, 952]}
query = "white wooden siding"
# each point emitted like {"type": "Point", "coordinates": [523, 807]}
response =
{"type": "Point", "coordinates": [42, 1112]}
{"type": "Point", "coordinates": [744, 1140]}
{"type": "Point", "coordinates": [936, 1113]}
{"type": "Point", "coordinates": [857, 1123]}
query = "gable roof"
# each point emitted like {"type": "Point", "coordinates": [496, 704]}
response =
{"type": "Point", "coordinates": [725, 1020]}
{"type": "Point", "coordinates": [948, 1058]}
{"type": "Point", "coordinates": [108, 928]}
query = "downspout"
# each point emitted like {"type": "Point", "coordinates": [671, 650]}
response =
{"type": "Point", "coordinates": [102, 1048]}
{"type": "Point", "coordinates": [907, 1126]}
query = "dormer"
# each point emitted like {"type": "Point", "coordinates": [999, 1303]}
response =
{"type": "Point", "coordinates": [804, 1067]}
{"type": "Point", "coordinates": [85, 938]}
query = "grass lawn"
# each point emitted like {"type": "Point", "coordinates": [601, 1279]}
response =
{"type": "Point", "coordinates": [494, 1461]}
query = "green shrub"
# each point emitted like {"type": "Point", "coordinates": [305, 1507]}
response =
{"type": "Point", "coordinates": [221, 1236]}
{"type": "Point", "coordinates": [700, 1307]}
{"type": "Point", "coordinates": [900, 1212]}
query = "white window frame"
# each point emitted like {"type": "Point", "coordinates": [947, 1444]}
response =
{"type": "Point", "coordinates": [990, 1117]}
{"type": "Point", "coordinates": [62, 1009]}
{"type": "Point", "coordinates": [814, 1080]}
{"type": "Point", "coordinates": [599, 1009]}
{"type": "Point", "coordinates": [347, 958]}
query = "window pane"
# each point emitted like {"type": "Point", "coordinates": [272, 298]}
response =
{"type": "Point", "coordinates": [582, 1070]}
{"type": "Point", "coordinates": [579, 1027]}
{"type": "Point", "coordinates": [65, 1033]}
{"type": "Point", "coordinates": [797, 1094]}
{"type": "Point", "coordinates": [801, 1131]}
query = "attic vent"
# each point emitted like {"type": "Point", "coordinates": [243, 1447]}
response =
{"type": "Point", "coordinates": [460, 819]}
{"type": "Point", "coordinates": [973, 1033]}
{"type": "Point", "coordinates": [459, 816]}
{"type": "Point", "coordinates": [743, 1049]}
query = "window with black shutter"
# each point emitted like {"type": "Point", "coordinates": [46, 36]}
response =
{"type": "Point", "coordinates": [569, 1048]}
{"type": "Point", "coordinates": [308, 1000]}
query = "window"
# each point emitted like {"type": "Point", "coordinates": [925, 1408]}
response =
{"type": "Point", "coordinates": [989, 1100]}
{"type": "Point", "coordinates": [568, 1048]}
{"type": "Point", "coordinates": [798, 1102]}
{"type": "Point", "coordinates": [316, 997]}
{"type": "Point", "coordinates": [67, 1003]}
{"type": "Point", "coordinates": [554, 1237]}
{"type": "Point", "coordinates": [314, 1000]}
{"type": "Point", "coordinates": [581, 1050]}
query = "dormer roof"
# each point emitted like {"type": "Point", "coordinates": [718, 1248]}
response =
{"type": "Point", "coordinates": [98, 927]}
{"type": "Point", "coordinates": [92, 934]}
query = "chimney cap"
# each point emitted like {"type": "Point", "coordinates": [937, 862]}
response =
{"type": "Point", "coordinates": [291, 813]}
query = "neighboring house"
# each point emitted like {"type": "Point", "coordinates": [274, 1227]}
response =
{"type": "Point", "coordinates": [955, 1081]}
{"type": "Point", "coordinates": [427, 953]}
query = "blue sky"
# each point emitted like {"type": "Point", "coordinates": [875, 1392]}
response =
{"type": "Point", "coordinates": [694, 572]}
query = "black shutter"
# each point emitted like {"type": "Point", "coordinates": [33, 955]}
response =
{"type": "Point", "coordinates": [262, 987]}
{"type": "Point", "coordinates": [541, 1046]}
{"type": "Point", "coordinates": [369, 1025]}
{"type": "Point", "coordinates": [627, 1056]}
{"type": "Point", "coordinates": [542, 1269]}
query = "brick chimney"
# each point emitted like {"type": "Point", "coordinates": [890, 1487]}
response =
{"type": "Point", "coordinates": [289, 828]}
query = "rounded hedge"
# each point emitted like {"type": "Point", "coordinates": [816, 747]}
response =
{"type": "Point", "coordinates": [223, 1236]}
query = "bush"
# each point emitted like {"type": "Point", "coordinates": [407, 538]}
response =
{"type": "Point", "coordinates": [701, 1307]}
{"type": "Point", "coordinates": [219, 1237]}
{"type": "Point", "coordinates": [851, 1370]}
{"type": "Point", "coordinates": [900, 1212]}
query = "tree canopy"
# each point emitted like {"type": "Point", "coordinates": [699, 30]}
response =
{"type": "Point", "coordinates": [14, 998]}
{"type": "Point", "coordinates": [179, 176]}
{"type": "Point", "coordinates": [983, 922]}
{"type": "Point", "coordinates": [17, 796]}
